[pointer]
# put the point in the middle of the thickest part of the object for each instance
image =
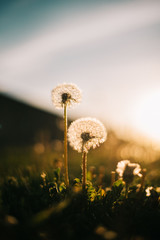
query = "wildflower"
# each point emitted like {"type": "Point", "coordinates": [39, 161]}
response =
{"type": "Point", "coordinates": [43, 175]}
{"type": "Point", "coordinates": [86, 133]}
{"type": "Point", "coordinates": [148, 191]}
{"type": "Point", "coordinates": [127, 171]}
{"type": "Point", "coordinates": [65, 94]}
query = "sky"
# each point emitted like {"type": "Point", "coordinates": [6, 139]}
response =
{"type": "Point", "coordinates": [109, 49]}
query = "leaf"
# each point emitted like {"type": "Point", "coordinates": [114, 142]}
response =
{"type": "Point", "coordinates": [77, 180]}
{"type": "Point", "coordinates": [118, 183]}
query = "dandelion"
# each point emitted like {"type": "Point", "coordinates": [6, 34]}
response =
{"type": "Point", "coordinates": [84, 134]}
{"type": "Point", "coordinates": [63, 96]}
{"type": "Point", "coordinates": [148, 191]}
{"type": "Point", "coordinates": [127, 171]}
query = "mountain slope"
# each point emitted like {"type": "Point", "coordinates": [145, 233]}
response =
{"type": "Point", "coordinates": [22, 124]}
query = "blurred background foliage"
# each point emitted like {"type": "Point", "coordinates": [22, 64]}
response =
{"type": "Point", "coordinates": [31, 141]}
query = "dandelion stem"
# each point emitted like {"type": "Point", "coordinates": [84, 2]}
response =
{"type": "Point", "coordinates": [113, 175]}
{"type": "Point", "coordinates": [143, 178]}
{"type": "Point", "coordinates": [65, 146]}
{"type": "Point", "coordinates": [126, 192]}
{"type": "Point", "coordinates": [84, 169]}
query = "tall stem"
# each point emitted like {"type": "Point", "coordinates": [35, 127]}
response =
{"type": "Point", "coordinates": [126, 192]}
{"type": "Point", "coordinates": [84, 169]}
{"type": "Point", "coordinates": [143, 178]}
{"type": "Point", "coordinates": [65, 146]}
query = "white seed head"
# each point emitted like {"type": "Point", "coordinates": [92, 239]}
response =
{"type": "Point", "coordinates": [125, 165]}
{"type": "Point", "coordinates": [86, 133]}
{"type": "Point", "coordinates": [65, 94]}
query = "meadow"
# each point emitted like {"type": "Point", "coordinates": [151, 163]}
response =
{"type": "Point", "coordinates": [37, 205]}
{"type": "Point", "coordinates": [37, 201]}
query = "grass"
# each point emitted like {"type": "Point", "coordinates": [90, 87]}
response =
{"type": "Point", "coordinates": [35, 207]}
{"type": "Point", "coordinates": [32, 207]}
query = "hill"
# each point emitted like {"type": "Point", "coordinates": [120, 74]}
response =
{"type": "Point", "coordinates": [22, 124]}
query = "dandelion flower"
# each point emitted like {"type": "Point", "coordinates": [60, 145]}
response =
{"type": "Point", "coordinates": [86, 133]}
{"type": "Point", "coordinates": [65, 94]}
{"type": "Point", "coordinates": [125, 165]}
{"type": "Point", "coordinates": [127, 171]}
{"type": "Point", "coordinates": [121, 167]}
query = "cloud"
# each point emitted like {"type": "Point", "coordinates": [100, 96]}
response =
{"type": "Point", "coordinates": [108, 50]}
{"type": "Point", "coordinates": [79, 30]}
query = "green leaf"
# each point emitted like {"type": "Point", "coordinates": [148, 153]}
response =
{"type": "Point", "coordinates": [118, 183]}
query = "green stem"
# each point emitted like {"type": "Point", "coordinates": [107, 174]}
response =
{"type": "Point", "coordinates": [113, 175]}
{"type": "Point", "coordinates": [126, 192]}
{"type": "Point", "coordinates": [65, 147]}
{"type": "Point", "coordinates": [143, 179]}
{"type": "Point", "coordinates": [84, 169]}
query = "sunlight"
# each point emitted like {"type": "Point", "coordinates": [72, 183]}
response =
{"type": "Point", "coordinates": [147, 116]}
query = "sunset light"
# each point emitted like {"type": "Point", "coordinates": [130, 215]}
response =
{"type": "Point", "coordinates": [80, 119]}
{"type": "Point", "coordinates": [147, 115]}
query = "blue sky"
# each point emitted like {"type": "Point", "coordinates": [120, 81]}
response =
{"type": "Point", "coordinates": [110, 49]}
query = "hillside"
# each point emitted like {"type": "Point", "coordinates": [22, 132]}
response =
{"type": "Point", "coordinates": [22, 124]}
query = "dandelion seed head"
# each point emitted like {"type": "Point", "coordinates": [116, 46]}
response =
{"type": "Point", "coordinates": [127, 170]}
{"type": "Point", "coordinates": [121, 167]}
{"type": "Point", "coordinates": [68, 94]}
{"type": "Point", "coordinates": [137, 169]}
{"type": "Point", "coordinates": [86, 133]}
{"type": "Point", "coordinates": [126, 165]}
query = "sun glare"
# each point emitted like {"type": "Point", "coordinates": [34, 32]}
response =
{"type": "Point", "coordinates": [147, 116]}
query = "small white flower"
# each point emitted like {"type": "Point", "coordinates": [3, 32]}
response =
{"type": "Point", "coordinates": [121, 167]}
{"type": "Point", "coordinates": [86, 133]}
{"type": "Point", "coordinates": [65, 94]}
{"type": "Point", "coordinates": [148, 191]}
